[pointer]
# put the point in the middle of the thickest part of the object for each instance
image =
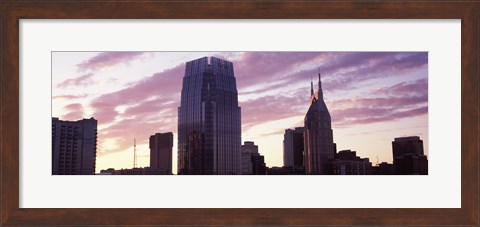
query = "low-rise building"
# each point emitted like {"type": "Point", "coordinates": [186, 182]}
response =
{"type": "Point", "coordinates": [347, 162]}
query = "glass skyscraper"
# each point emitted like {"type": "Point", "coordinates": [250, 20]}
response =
{"type": "Point", "coordinates": [209, 120]}
{"type": "Point", "coordinates": [318, 136]}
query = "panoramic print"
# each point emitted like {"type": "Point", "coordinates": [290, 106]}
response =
{"type": "Point", "coordinates": [239, 113]}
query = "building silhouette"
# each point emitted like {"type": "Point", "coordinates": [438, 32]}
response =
{"type": "Point", "coordinates": [161, 151]}
{"type": "Point", "coordinates": [74, 147]}
{"type": "Point", "coordinates": [383, 169]}
{"type": "Point", "coordinates": [209, 133]}
{"type": "Point", "coordinates": [318, 135]}
{"type": "Point", "coordinates": [134, 171]}
{"type": "Point", "coordinates": [252, 162]}
{"type": "Point", "coordinates": [408, 156]}
{"type": "Point", "coordinates": [293, 148]}
{"type": "Point", "coordinates": [348, 163]}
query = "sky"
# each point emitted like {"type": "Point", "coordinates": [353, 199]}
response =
{"type": "Point", "coordinates": [372, 97]}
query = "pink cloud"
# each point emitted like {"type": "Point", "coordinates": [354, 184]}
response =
{"type": "Point", "coordinates": [418, 87]}
{"type": "Point", "coordinates": [403, 100]}
{"type": "Point", "coordinates": [140, 127]}
{"type": "Point", "coordinates": [165, 85]}
{"type": "Point", "coordinates": [270, 108]}
{"type": "Point", "coordinates": [151, 107]}
{"type": "Point", "coordinates": [108, 59]}
{"type": "Point", "coordinates": [340, 71]}
{"type": "Point", "coordinates": [359, 116]}
{"type": "Point", "coordinates": [83, 80]}
{"type": "Point", "coordinates": [69, 97]}
{"type": "Point", "coordinates": [257, 67]}
{"type": "Point", "coordinates": [347, 112]}
{"type": "Point", "coordinates": [74, 112]}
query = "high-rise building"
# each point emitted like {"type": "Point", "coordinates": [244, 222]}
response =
{"type": "Point", "coordinates": [408, 156]}
{"type": "Point", "coordinates": [318, 135]}
{"type": "Point", "coordinates": [293, 148]}
{"type": "Point", "coordinates": [348, 163]}
{"type": "Point", "coordinates": [74, 147]}
{"type": "Point", "coordinates": [411, 145]}
{"type": "Point", "coordinates": [209, 118]}
{"type": "Point", "coordinates": [161, 151]}
{"type": "Point", "coordinates": [252, 162]}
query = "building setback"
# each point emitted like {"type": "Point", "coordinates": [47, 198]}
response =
{"type": "Point", "coordinates": [408, 156]}
{"type": "Point", "coordinates": [74, 147]}
{"type": "Point", "coordinates": [293, 148]}
{"type": "Point", "coordinates": [209, 133]}
{"type": "Point", "coordinates": [318, 135]}
{"type": "Point", "coordinates": [161, 151]}
{"type": "Point", "coordinates": [252, 162]}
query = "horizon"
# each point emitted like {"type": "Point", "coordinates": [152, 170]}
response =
{"type": "Point", "coordinates": [373, 97]}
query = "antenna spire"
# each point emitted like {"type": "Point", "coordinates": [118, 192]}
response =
{"type": "Point", "coordinates": [320, 92]}
{"type": "Point", "coordinates": [134, 154]}
{"type": "Point", "coordinates": [311, 86]}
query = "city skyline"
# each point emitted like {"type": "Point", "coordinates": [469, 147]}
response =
{"type": "Point", "coordinates": [372, 96]}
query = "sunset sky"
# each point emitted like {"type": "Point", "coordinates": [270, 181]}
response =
{"type": "Point", "coordinates": [372, 97]}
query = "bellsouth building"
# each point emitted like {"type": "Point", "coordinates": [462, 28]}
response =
{"type": "Point", "coordinates": [209, 120]}
{"type": "Point", "coordinates": [318, 135]}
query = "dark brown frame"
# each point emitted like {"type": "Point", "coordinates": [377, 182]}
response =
{"type": "Point", "coordinates": [12, 11]}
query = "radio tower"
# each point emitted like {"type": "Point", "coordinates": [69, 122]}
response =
{"type": "Point", "coordinates": [134, 154]}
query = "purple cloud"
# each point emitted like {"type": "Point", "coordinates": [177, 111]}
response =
{"type": "Point", "coordinates": [108, 59]}
{"type": "Point", "coordinates": [75, 82]}
{"type": "Point", "coordinates": [165, 84]}
{"type": "Point", "coordinates": [74, 112]}
{"type": "Point", "coordinates": [340, 71]}
{"type": "Point", "coordinates": [418, 87]}
{"type": "Point", "coordinates": [69, 97]}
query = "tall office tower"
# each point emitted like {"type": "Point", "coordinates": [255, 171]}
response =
{"type": "Point", "coordinates": [408, 156]}
{"type": "Point", "coordinates": [407, 145]}
{"type": "Point", "coordinates": [318, 135]}
{"type": "Point", "coordinates": [74, 146]}
{"type": "Point", "coordinates": [209, 133]}
{"type": "Point", "coordinates": [161, 151]}
{"type": "Point", "coordinates": [293, 148]}
{"type": "Point", "coordinates": [252, 162]}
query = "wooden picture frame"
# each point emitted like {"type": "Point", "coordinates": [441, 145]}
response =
{"type": "Point", "coordinates": [13, 11]}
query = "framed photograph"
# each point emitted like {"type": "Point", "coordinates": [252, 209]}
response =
{"type": "Point", "coordinates": [187, 103]}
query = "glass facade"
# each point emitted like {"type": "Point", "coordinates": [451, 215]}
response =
{"type": "Point", "coordinates": [209, 120]}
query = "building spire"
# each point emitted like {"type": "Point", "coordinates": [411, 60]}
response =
{"type": "Point", "coordinates": [320, 91]}
{"type": "Point", "coordinates": [311, 86]}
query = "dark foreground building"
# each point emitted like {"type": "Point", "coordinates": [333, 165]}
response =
{"type": "Point", "coordinates": [408, 156]}
{"type": "Point", "coordinates": [348, 163]}
{"type": "Point", "coordinates": [74, 147]}
{"type": "Point", "coordinates": [293, 148]}
{"type": "Point", "coordinates": [209, 133]}
{"type": "Point", "coordinates": [383, 169]}
{"type": "Point", "coordinates": [134, 171]}
{"type": "Point", "coordinates": [252, 162]}
{"type": "Point", "coordinates": [161, 151]}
